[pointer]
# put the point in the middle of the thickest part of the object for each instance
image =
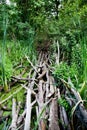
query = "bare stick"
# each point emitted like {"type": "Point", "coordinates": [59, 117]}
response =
{"type": "Point", "coordinates": [21, 118]}
{"type": "Point", "coordinates": [31, 63]}
{"type": "Point", "coordinates": [41, 75]}
{"type": "Point", "coordinates": [14, 116]}
{"type": "Point", "coordinates": [28, 111]}
{"type": "Point", "coordinates": [25, 79]}
{"type": "Point", "coordinates": [58, 56]}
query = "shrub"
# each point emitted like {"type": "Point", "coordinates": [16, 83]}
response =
{"type": "Point", "coordinates": [63, 71]}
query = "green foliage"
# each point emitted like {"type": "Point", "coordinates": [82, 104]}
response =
{"type": "Point", "coordinates": [63, 71]}
{"type": "Point", "coordinates": [4, 126]}
{"type": "Point", "coordinates": [7, 68]}
{"type": "Point", "coordinates": [62, 101]}
{"type": "Point", "coordinates": [15, 54]}
{"type": "Point", "coordinates": [8, 71]}
{"type": "Point", "coordinates": [83, 43]}
{"type": "Point", "coordinates": [79, 58]}
{"type": "Point", "coordinates": [83, 91]}
{"type": "Point", "coordinates": [39, 117]}
{"type": "Point", "coordinates": [15, 51]}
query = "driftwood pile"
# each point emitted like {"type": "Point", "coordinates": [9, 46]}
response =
{"type": "Point", "coordinates": [42, 110]}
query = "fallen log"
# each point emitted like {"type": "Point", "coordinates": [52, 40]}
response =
{"type": "Point", "coordinates": [40, 100]}
{"type": "Point", "coordinates": [53, 116]}
{"type": "Point", "coordinates": [63, 115]}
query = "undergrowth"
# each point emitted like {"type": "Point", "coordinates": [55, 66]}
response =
{"type": "Point", "coordinates": [14, 65]}
{"type": "Point", "coordinates": [14, 56]}
{"type": "Point", "coordinates": [76, 68]}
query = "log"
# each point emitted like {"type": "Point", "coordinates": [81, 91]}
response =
{"type": "Point", "coordinates": [76, 93]}
{"type": "Point", "coordinates": [63, 115]}
{"type": "Point", "coordinates": [80, 115]}
{"type": "Point", "coordinates": [42, 125]}
{"type": "Point", "coordinates": [53, 117]}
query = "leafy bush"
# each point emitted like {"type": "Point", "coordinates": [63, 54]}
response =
{"type": "Point", "coordinates": [63, 71]}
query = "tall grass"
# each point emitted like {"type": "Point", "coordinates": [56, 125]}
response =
{"type": "Point", "coordinates": [83, 44]}
{"type": "Point", "coordinates": [83, 75]}
{"type": "Point", "coordinates": [4, 81]}
{"type": "Point", "coordinates": [31, 45]}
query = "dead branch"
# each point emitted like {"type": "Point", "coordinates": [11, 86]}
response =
{"type": "Point", "coordinates": [14, 116]}
{"type": "Point", "coordinates": [21, 118]}
{"type": "Point", "coordinates": [76, 93]}
{"type": "Point", "coordinates": [31, 64]}
{"type": "Point", "coordinates": [58, 55]}
{"type": "Point", "coordinates": [41, 75]}
{"type": "Point", "coordinates": [24, 79]}
{"type": "Point", "coordinates": [52, 88]}
{"type": "Point", "coordinates": [28, 111]}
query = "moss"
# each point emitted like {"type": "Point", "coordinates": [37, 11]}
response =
{"type": "Point", "coordinates": [19, 96]}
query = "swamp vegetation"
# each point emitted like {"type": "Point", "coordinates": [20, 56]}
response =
{"type": "Point", "coordinates": [43, 65]}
